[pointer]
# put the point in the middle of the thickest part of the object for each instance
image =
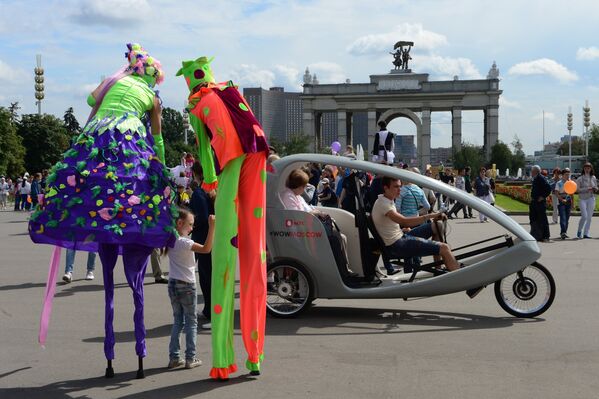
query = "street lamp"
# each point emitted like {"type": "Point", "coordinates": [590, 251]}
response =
{"type": "Point", "coordinates": [586, 110]}
{"type": "Point", "coordinates": [570, 138]}
{"type": "Point", "coordinates": [39, 83]}
{"type": "Point", "coordinates": [185, 122]}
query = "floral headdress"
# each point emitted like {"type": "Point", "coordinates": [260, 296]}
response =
{"type": "Point", "coordinates": [144, 65]}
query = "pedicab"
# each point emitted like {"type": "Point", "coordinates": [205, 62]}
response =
{"type": "Point", "coordinates": [302, 266]}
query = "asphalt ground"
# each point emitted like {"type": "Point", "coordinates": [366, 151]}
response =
{"type": "Point", "coordinates": [442, 347]}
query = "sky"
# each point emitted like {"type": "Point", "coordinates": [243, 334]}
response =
{"type": "Point", "coordinates": [547, 52]}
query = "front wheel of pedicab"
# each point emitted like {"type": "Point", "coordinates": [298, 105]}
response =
{"type": "Point", "coordinates": [289, 289]}
{"type": "Point", "coordinates": [527, 293]}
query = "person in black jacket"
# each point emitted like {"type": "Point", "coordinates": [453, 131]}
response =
{"type": "Point", "coordinates": [539, 226]}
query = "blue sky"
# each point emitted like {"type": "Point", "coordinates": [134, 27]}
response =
{"type": "Point", "coordinates": [547, 52]}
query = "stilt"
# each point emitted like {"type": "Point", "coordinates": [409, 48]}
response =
{"type": "Point", "coordinates": [109, 369]}
{"type": "Point", "coordinates": [140, 369]}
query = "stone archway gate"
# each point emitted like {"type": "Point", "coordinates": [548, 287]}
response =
{"type": "Point", "coordinates": [403, 94]}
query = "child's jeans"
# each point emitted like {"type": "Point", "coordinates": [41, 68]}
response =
{"type": "Point", "coordinates": [183, 300]}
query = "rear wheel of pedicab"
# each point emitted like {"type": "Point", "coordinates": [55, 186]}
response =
{"type": "Point", "coordinates": [527, 293]}
{"type": "Point", "coordinates": [289, 289]}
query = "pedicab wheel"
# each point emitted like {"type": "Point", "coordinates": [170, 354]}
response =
{"type": "Point", "coordinates": [527, 293]}
{"type": "Point", "coordinates": [289, 289]}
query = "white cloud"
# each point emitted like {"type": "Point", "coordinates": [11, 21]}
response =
{"type": "Point", "coordinates": [549, 116]}
{"type": "Point", "coordinates": [111, 12]}
{"type": "Point", "coordinates": [544, 66]}
{"type": "Point", "coordinates": [504, 102]}
{"type": "Point", "coordinates": [589, 53]}
{"type": "Point", "coordinates": [290, 75]}
{"type": "Point", "coordinates": [447, 67]}
{"type": "Point", "coordinates": [383, 42]}
{"type": "Point", "coordinates": [9, 74]}
{"type": "Point", "coordinates": [251, 76]}
{"type": "Point", "coordinates": [328, 72]}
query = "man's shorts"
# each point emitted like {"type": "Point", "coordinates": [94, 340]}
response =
{"type": "Point", "coordinates": [413, 244]}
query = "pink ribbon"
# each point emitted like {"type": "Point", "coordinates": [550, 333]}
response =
{"type": "Point", "coordinates": [49, 295]}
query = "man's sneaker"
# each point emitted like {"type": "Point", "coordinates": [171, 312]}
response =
{"type": "Point", "coordinates": [472, 292]}
{"type": "Point", "coordinates": [161, 280]}
{"type": "Point", "coordinates": [68, 277]}
{"type": "Point", "coordinates": [191, 363]}
{"type": "Point", "coordinates": [89, 275]}
{"type": "Point", "coordinates": [174, 363]}
{"type": "Point", "coordinates": [207, 326]}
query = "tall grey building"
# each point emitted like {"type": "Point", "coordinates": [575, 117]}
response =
{"type": "Point", "coordinates": [279, 112]}
{"type": "Point", "coordinates": [405, 149]}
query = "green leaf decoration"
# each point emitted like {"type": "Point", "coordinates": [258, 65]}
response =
{"type": "Point", "coordinates": [95, 191]}
{"type": "Point", "coordinates": [141, 143]}
{"type": "Point", "coordinates": [80, 222]}
{"type": "Point", "coordinates": [52, 223]}
{"type": "Point", "coordinates": [70, 153]}
{"type": "Point", "coordinates": [130, 153]}
{"type": "Point", "coordinates": [144, 162]}
{"type": "Point", "coordinates": [93, 153]}
{"type": "Point", "coordinates": [65, 214]}
{"type": "Point", "coordinates": [81, 166]}
{"type": "Point", "coordinates": [74, 201]}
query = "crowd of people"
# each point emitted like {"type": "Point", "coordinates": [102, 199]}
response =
{"type": "Point", "coordinates": [562, 201]}
{"type": "Point", "coordinates": [25, 192]}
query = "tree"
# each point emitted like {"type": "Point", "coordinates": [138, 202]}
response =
{"type": "Point", "coordinates": [469, 155]}
{"type": "Point", "coordinates": [173, 152]}
{"type": "Point", "coordinates": [12, 151]}
{"type": "Point", "coordinates": [501, 156]}
{"type": "Point", "coordinates": [45, 138]}
{"type": "Point", "coordinates": [594, 146]}
{"type": "Point", "coordinates": [70, 123]}
{"type": "Point", "coordinates": [14, 111]}
{"type": "Point", "coordinates": [578, 147]}
{"type": "Point", "coordinates": [172, 126]}
{"type": "Point", "coordinates": [296, 144]}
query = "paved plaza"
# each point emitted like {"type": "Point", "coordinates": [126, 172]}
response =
{"type": "Point", "coordinates": [443, 347]}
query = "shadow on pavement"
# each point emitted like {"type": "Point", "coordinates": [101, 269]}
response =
{"type": "Point", "coordinates": [362, 321]}
{"type": "Point", "coordinates": [21, 286]}
{"type": "Point", "coordinates": [129, 336]}
{"type": "Point", "coordinates": [70, 389]}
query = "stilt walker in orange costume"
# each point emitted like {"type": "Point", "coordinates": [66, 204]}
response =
{"type": "Point", "coordinates": [233, 147]}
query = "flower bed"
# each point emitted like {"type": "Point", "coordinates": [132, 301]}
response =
{"type": "Point", "coordinates": [518, 193]}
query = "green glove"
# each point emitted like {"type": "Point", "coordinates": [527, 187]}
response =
{"type": "Point", "coordinates": [91, 101]}
{"type": "Point", "coordinates": [159, 147]}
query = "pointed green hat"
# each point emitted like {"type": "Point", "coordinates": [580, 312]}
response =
{"type": "Point", "coordinates": [197, 72]}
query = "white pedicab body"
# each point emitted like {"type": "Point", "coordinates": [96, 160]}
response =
{"type": "Point", "coordinates": [302, 266]}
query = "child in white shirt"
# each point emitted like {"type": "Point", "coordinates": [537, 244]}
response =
{"type": "Point", "coordinates": [182, 288]}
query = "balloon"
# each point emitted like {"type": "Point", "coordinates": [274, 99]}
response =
{"type": "Point", "coordinates": [335, 146]}
{"type": "Point", "coordinates": [570, 187]}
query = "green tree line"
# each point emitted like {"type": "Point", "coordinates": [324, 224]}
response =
{"type": "Point", "coordinates": [32, 142]}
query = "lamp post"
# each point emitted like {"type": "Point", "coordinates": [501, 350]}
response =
{"type": "Point", "coordinates": [570, 138]}
{"type": "Point", "coordinates": [185, 122]}
{"type": "Point", "coordinates": [586, 110]}
{"type": "Point", "coordinates": [39, 83]}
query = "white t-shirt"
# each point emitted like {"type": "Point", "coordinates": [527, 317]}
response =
{"type": "Point", "coordinates": [26, 188]}
{"type": "Point", "coordinates": [182, 262]}
{"type": "Point", "coordinates": [387, 228]}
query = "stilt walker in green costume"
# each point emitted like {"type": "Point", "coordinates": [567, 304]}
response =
{"type": "Point", "coordinates": [233, 147]}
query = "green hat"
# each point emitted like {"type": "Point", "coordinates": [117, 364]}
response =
{"type": "Point", "coordinates": [197, 72]}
